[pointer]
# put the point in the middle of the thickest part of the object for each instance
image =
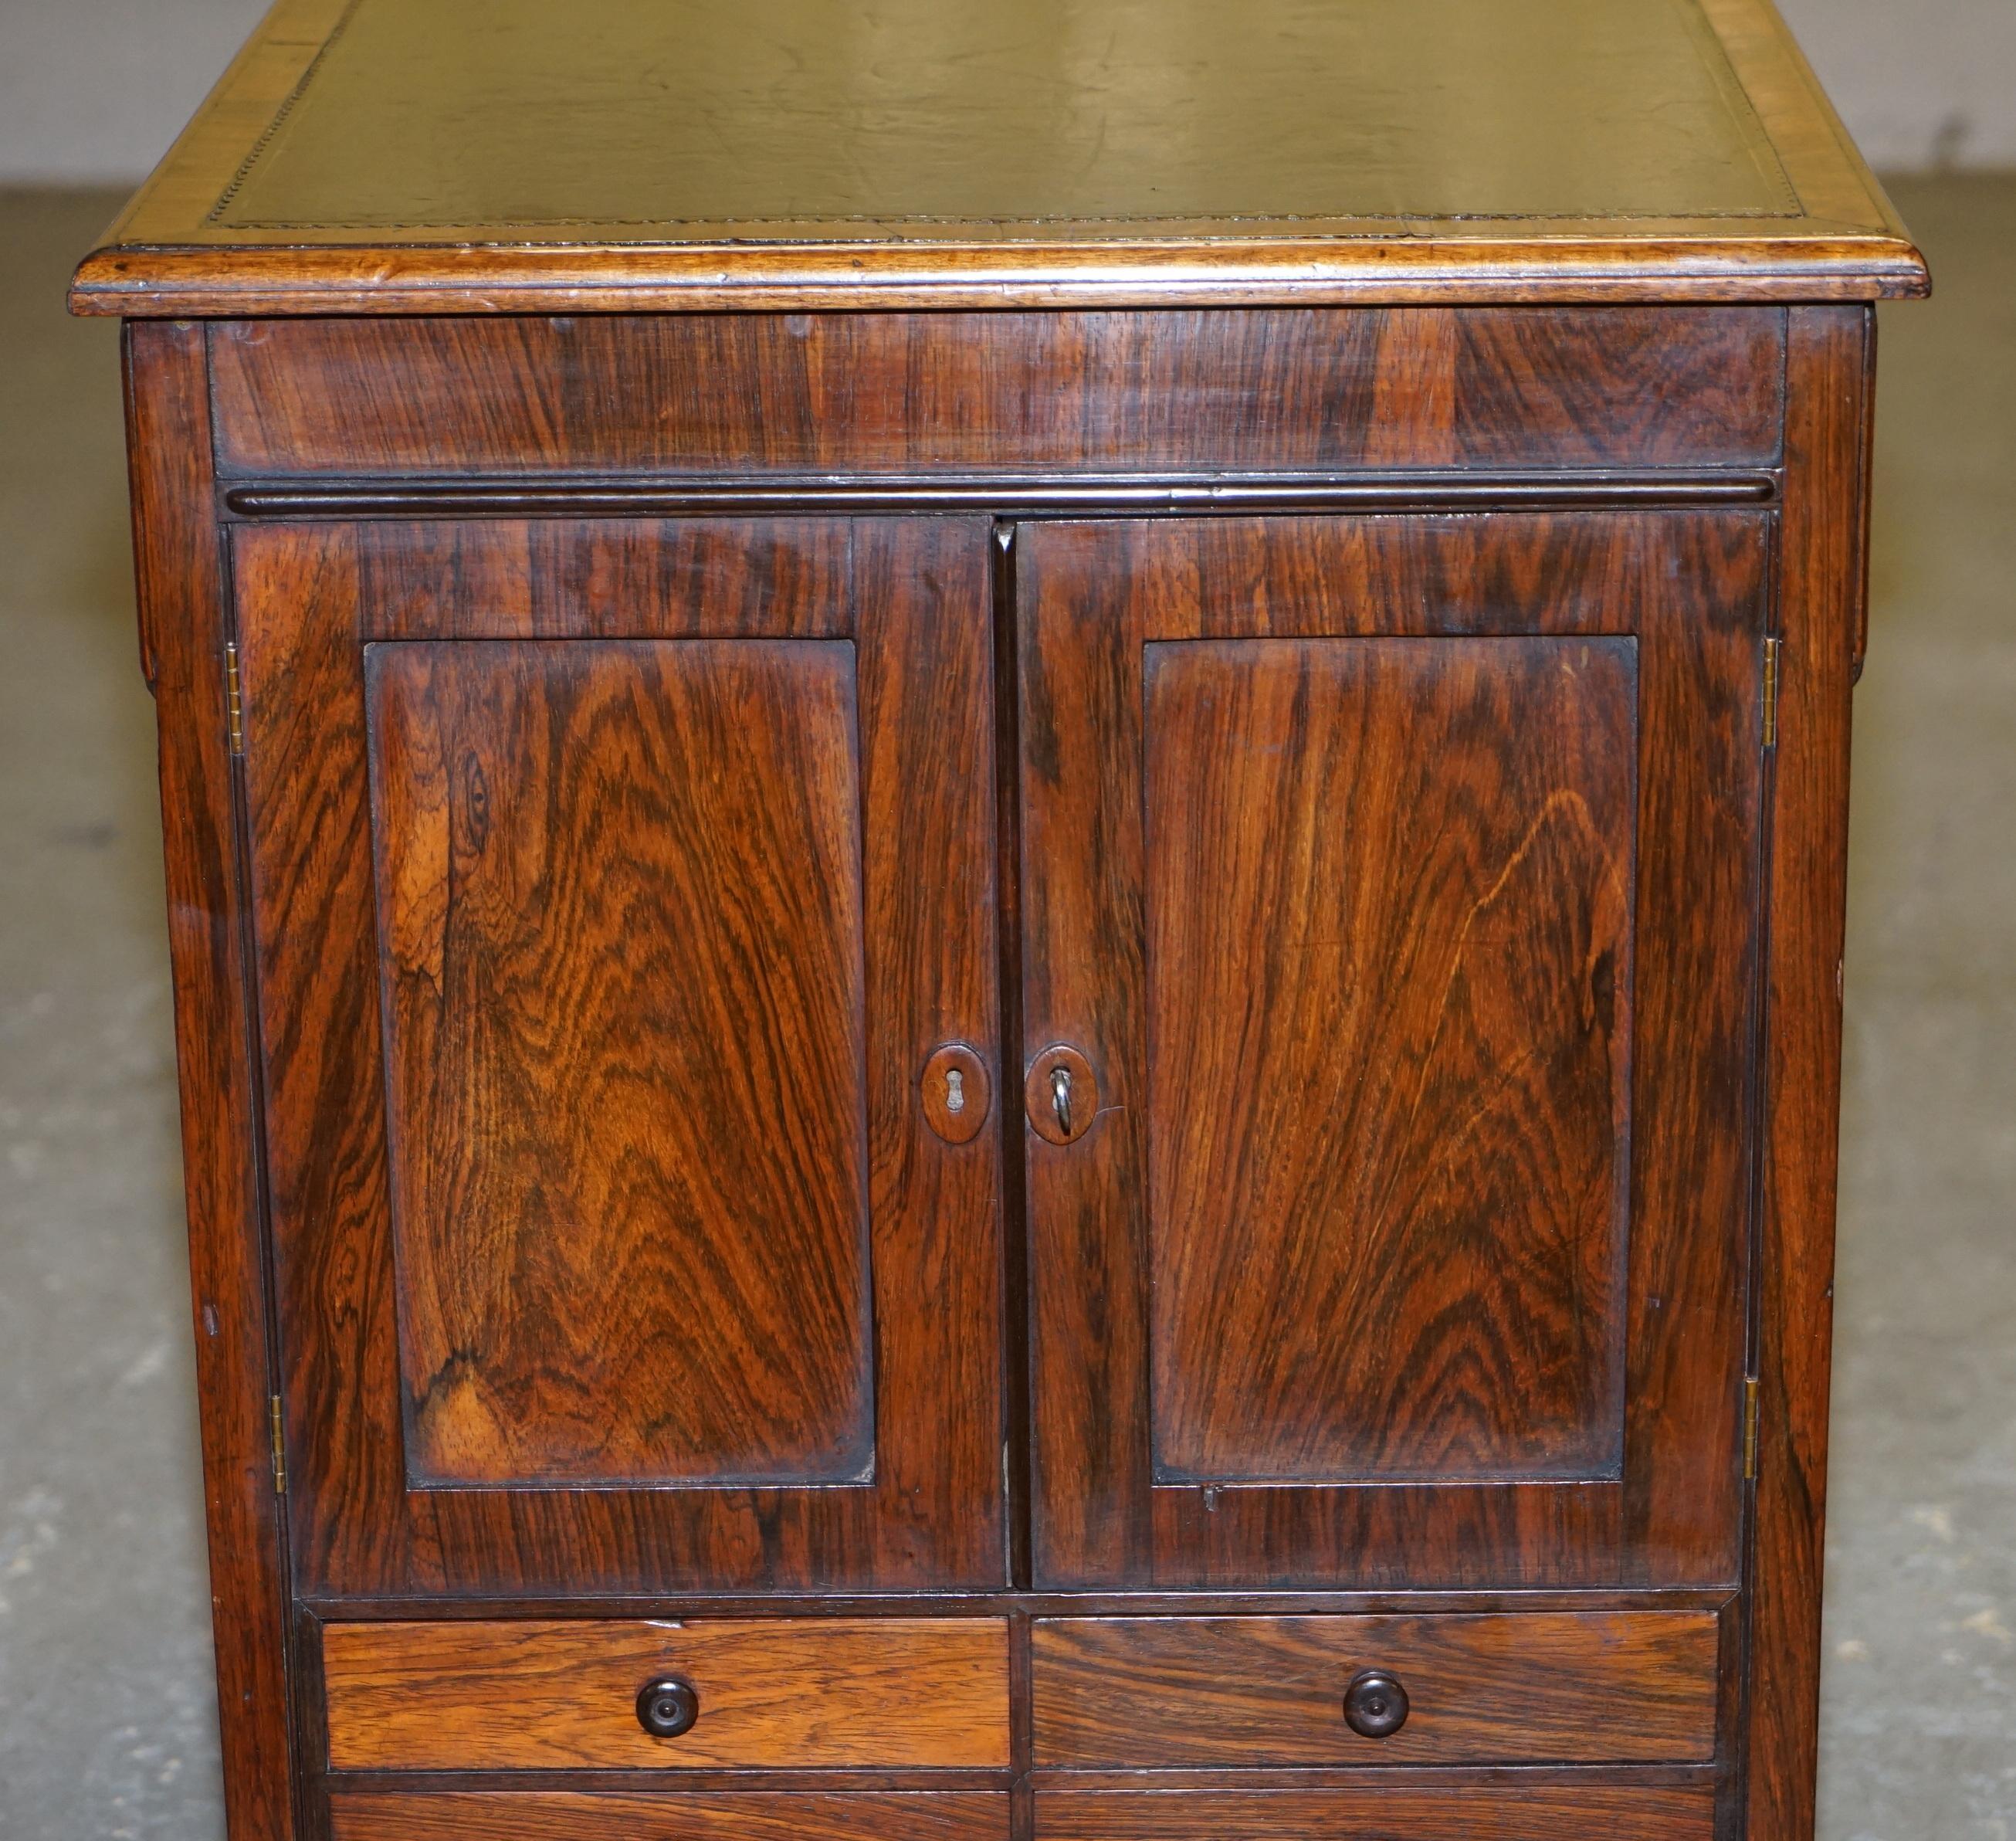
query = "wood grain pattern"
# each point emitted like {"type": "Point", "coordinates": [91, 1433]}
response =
{"type": "Point", "coordinates": [184, 620]}
{"type": "Point", "coordinates": [1691, 588]}
{"type": "Point", "coordinates": [752, 395]}
{"type": "Point", "coordinates": [811, 1693]}
{"type": "Point", "coordinates": [620, 901]}
{"type": "Point", "coordinates": [913, 597]}
{"type": "Point", "coordinates": [730, 1816]}
{"type": "Point", "coordinates": [1823, 588]}
{"type": "Point", "coordinates": [1549, 1812]}
{"type": "Point", "coordinates": [1538, 1687]}
{"type": "Point", "coordinates": [1388, 884]}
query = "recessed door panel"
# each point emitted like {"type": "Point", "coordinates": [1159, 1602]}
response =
{"type": "Point", "coordinates": [1388, 888]}
{"type": "Point", "coordinates": [1394, 881]}
{"type": "Point", "coordinates": [620, 909]}
{"type": "Point", "coordinates": [614, 884]}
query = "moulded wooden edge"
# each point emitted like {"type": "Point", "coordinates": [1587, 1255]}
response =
{"type": "Point", "coordinates": [1006, 1601]}
{"type": "Point", "coordinates": [300, 496]}
{"type": "Point", "coordinates": [165, 282]}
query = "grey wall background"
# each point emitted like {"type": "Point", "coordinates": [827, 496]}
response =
{"type": "Point", "coordinates": [1925, 85]}
{"type": "Point", "coordinates": [94, 90]}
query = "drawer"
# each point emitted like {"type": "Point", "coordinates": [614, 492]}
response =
{"type": "Point", "coordinates": [933, 394]}
{"type": "Point", "coordinates": [516, 1815]}
{"type": "Point", "coordinates": [1624, 1687]}
{"type": "Point", "coordinates": [836, 1693]}
{"type": "Point", "coordinates": [1541, 1812]}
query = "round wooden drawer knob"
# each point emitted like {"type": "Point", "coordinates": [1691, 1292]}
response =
{"type": "Point", "coordinates": [667, 1708]}
{"type": "Point", "coordinates": [1375, 1704]}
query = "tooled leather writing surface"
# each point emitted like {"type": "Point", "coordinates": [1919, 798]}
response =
{"type": "Point", "coordinates": [634, 116]}
{"type": "Point", "coordinates": [389, 157]}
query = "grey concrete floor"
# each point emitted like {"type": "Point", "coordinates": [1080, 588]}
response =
{"type": "Point", "coordinates": [107, 1725]}
{"type": "Point", "coordinates": [1919, 1697]}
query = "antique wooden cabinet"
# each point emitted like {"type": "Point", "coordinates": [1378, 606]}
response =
{"type": "Point", "coordinates": [1005, 864]}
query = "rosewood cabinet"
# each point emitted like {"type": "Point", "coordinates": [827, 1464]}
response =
{"type": "Point", "coordinates": [1006, 866]}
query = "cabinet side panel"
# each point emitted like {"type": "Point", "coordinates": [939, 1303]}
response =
{"type": "Point", "coordinates": [1821, 591]}
{"type": "Point", "coordinates": [182, 613]}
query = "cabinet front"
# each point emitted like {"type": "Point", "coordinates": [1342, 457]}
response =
{"type": "Point", "coordinates": [623, 899]}
{"type": "Point", "coordinates": [1389, 969]}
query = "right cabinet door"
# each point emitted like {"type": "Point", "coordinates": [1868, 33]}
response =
{"type": "Point", "coordinates": [1390, 998]}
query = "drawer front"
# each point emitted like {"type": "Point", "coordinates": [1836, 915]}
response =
{"type": "Point", "coordinates": [1280, 390]}
{"type": "Point", "coordinates": [1517, 1687]}
{"type": "Point", "coordinates": [916, 1693]}
{"type": "Point", "coordinates": [738, 1816]}
{"type": "Point", "coordinates": [1546, 1812]}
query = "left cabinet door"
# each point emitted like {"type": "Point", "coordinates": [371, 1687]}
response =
{"type": "Point", "coordinates": [615, 884]}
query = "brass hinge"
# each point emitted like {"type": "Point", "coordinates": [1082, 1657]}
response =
{"type": "Point", "coordinates": [1772, 647]}
{"type": "Point", "coordinates": [234, 701]}
{"type": "Point", "coordinates": [280, 1447]}
{"type": "Point", "coordinates": [1749, 1429]}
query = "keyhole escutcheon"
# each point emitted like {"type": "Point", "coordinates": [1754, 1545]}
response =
{"type": "Point", "coordinates": [955, 1092]}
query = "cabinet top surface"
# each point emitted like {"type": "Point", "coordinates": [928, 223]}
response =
{"type": "Point", "coordinates": [400, 156]}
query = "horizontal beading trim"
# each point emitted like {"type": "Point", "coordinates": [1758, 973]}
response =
{"type": "Point", "coordinates": [1077, 496]}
